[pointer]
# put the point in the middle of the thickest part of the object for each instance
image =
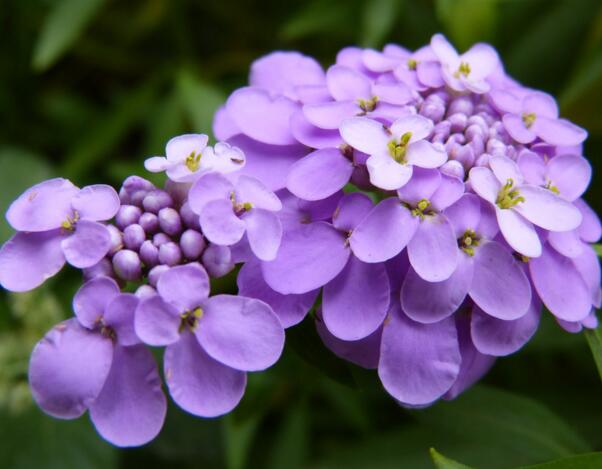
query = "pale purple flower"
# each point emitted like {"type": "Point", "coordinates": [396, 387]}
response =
{"type": "Point", "coordinates": [532, 114]}
{"type": "Point", "coordinates": [227, 211]}
{"type": "Point", "coordinates": [211, 342]}
{"type": "Point", "coordinates": [393, 151]}
{"type": "Point", "coordinates": [56, 222]}
{"type": "Point", "coordinates": [468, 71]}
{"type": "Point", "coordinates": [95, 362]}
{"type": "Point", "coordinates": [188, 157]}
{"type": "Point", "coordinates": [520, 206]}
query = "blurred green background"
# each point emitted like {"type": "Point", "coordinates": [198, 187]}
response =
{"type": "Point", "coordinates": [89, 88]}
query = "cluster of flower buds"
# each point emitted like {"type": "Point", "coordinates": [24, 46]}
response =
{"type": "Point", "coordinates": [425, 204]}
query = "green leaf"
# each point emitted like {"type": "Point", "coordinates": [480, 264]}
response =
{"type": "Point", "coordinates": [378, 18]}
{"type": "Point", "coordinates": [598, 249]}
{"type": "Point", "coordinates": [441, 462]}
{"type": "Point", "coordinates": [467, 21]}
{"type": "Point", "coordinates": [238, 436]}
{"type": "Point", "coordinates": [64, 24]}
{"type": "Point", "coordinates": [594, 339]}
{"type": "Point", "coordinates": [199, 99]}
{"type": "Point", "coordinates": [314, 18]}
{"type": "Point", "coordinates": [581, 461]}
{"type": "Point", "coordinates": [291, 442]}
{"type": "Point", "coordinates": [37, 440]}
{"type": "Point", "coordinates": [21, 169]}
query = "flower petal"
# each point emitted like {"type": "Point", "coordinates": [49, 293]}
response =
{"type": "Point", "coordinates": [180, 147]}
{"type": "Point", "coordinates": [312, 136]}
{"type": "Point", "coordinates": [264, 232]}
{"type": "Point", "coordinates": [384, 232]}
{"type": "Point", "coordinates": [156, 322]}
{"type": "Point", "coordinates": [329, 115]}
{"type": "Point", "coordinates": [91, 300]}
{"type": "Point", "coordinates": [515, 126]}
{"type": "Point", "coordinates": [186, 287]}
{"type": "Point", "coordinates": [88, 244]}
{"type": "Point", "coordinates": [518, 232]}
{"type": "Point", "coordinates": [220, 224]}
{"type": "Point", "coordinates": [131, 408]}
{"type": "Point", "coordinates": [120, 315]}
{"type": "Point", "coordinates": [198, 383]}
{"type": "Point", "coordinates": [484, 183]}
{"type": "Point", "coordinates": [425, 155]}
{"type": "Point", "coordinates": [386, 173]}
{"type": "Point", "coordinates": [547, 210]}
{"type": "Point", "coordinates": [366, 135]}
{"type": "Point", "coordinates": [68, 369]}
{"type": "Point", "coordinates": [418, 126]}
{"type": "Point", "coordinates": [355, 303]}
{"type": "Point", "coordinates": [99, 202]}
{"type": "Point", "coordinates": [346, 84]}
{"type": "Point", "coordinates": [504, 169]}
{"type": "Point", "coordinates": [28, 259]}
{"type": "Point", "coordinates": [364, 352]}
{"type": "Point", "coordinates": [541, 104]}
{"type": "Point", "coordinates": [559, 132]}
{"type": "Point", "coordinates": [570, 174]}
{"type": "Point", "coordinates": [352, 209]}
{"type": "Point", "coordinates": [465, 214]}
{"type": "Point", "coordinates": [209, 187]}
{"type": "Point", "coordinates": [249, 189]}
{"type": "Point", "coordinates": [418, 362]}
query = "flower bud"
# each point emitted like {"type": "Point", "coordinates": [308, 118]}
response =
{"type": "Point", "coordinates": [127, 215]}
{"type": "Point", "coordinates": [155, 273]}
{"type": "Point", "coordinates": [190, 219]}
{"type": "Point", "coordinates": [149, 222]}
{"type": "Point", "coordinates": [116, 239]}
{"type": "Point", "coordinates": [149, 254]}
{"type": "Point", "coordinates": [169, 221]}
{"type": "Point", "coordinates": [461, 104]}
{"type": "Point", "coordinates": [127, 265]}
{"type": "Point", "coordinates": [156, 200]}
{"type": "Point", "coordinates": [170, 254]}
{"type": "Point", "coordinates": [192, 244]}
{"type": "Point", "coordinates": [217, 260]}
{"type": "Point", "coordinates": [453, 168]}
{"type": "Point", "coordinates": [161, 238]}
{"type": "Point", "coordinates": [458, 122]}
{"type": "Point", "coordinates": [103, 269]}
{"type": "Point", "coordinates": [145, 291]}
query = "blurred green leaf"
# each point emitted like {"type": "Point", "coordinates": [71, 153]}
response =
{"type": "Point", "coordinates": [581, 461]}
{"type": "Point", "coordinates": [21, 169]}
{"type": "Point", "coordinates": [65, 22]}
{"type": "Point", "coordinates": [36, 440]}
{"type": "Point", "coordinates": [598, 249]}
{"type": "Point", "coordinates": [467, 21]}
{"type": "Point", "coordinates": [200, 100]}
{"type": "Point", "coordinates": [594, 339]}
{"type": "Point", "coordinates": [97, 144]}
{"type": "Point", "coordinates": [441, 462]}
{"type": "Point", "coordinates": [166, 122]}
{"type": "Point", "coordinates": [378, 18]}
{"type": "Point", "coordinates": [238, 435]}
{"type": "Point", "coordinates": [315, 17]}
{"type": "Point", "coordinates": [291, 442]}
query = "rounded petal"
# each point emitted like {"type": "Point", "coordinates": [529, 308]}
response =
{"type": "Point", "coordinates": [484, 183]}
{"type": "Point", "coordinates": [99, 202]}
{"type": "Point", "coordinates": [500, 286]}
{"type": "Point", "coordinates": [590, 229]}
{"type": "Point", "coordinates": [386, 173]}
{"type": "Point", "coordinates": [364, 352]}
{"type": "Point", "coordinates": [312, 136]}
{"type": "Point", "coordinates": [156, 164]}
{"type": "Point", "coordinates": [185, 287]}
{"type": "Point", "coordinates": [570, 174]}
{"type": "Point", "coordinates": [198, 383]}
{"type": "Point", "coordinates": [418, 126]}
{"type": "Point", "coordinates": [180, 147]}
{"type": "Point", "coordinates": [429, 74]}
{"type": "Point", "coordinates": [329, 115]}
{"type": "Point", "coordinates": [384, 232]}
{"type": "Point", "coordinates": [120, 315]}
{"type": "Point", "coordinates": [42, 207]}
{"type": "Point", "coordinates": [264, 232]}
{"type": "Point", "coordinates": [425, 155]}
{"type": "Point", "coordinates": [290, 309]}
{"type": "Point", "coordinates": [262, 117]}
{"type": "Point", "coordinates": [131, 408]}
{"type": "Point", "coordinates": [518, 232]}
{"type": "Point", "coordinates": [483, 59]}
{"type": "Point", "coordinates": [309, 257]}
{"type": "Point", "coordinates": [355, 303]}
{"type": "Point", "coordinates": [465, 214]}
{"type": "Point", "coordinates": [209, 187]}
{"type": "Point", "coordinates": [319, 174]}
{"type": "Point", "coordinates": [444, 51]}
{"type": "Point", "coordinates": [533, 168]}
{"type": "Point", "coordinates": [547, 210]}
{"type": "Point", "coordinates": [88, 244]}
{"type": "Point", "coordinates": [366, 135]}
{"type": "Point", "coordinates": [418, 362]}
{"type": "Point", "coordinates": [68, 369]}
{"type": "Point", "coordinates": [566, 243]}
{"type": "Point", "coordinates": [429, 302]}
{"type": "Point", "coordinates": [497, 337]}
{"type": "Point", "coordinates": [541, 104]}
{"type": "Point", "coordinates": [433, 250]}
{"type": "Point", "coordinates": [515, 126]}
{"type": "Point", "coordinates": [449, 191]}
{"type": "Point", "coordinates": [424, 183]}
{"type": "Point", "coordinates": [91, 300]}
{"type": "Point", "coordinates": [156, 322]}
{"type": "Point", "coordinates": [28, 259]}
{"type": "Point", "coordinates": [220, 224]}
{"type": "Point", "coordinates": [504, 169]}
{"type": "Point", "coordinates": [559, 132]}
{"type": "Point", "coordinates": [560, 286]}
{"type": "Point", "coordinates": [249, 189]}
{"type": "Point", "coordinates": [352, 209]}
{"type": "Point", "coordinates": [346, 84]}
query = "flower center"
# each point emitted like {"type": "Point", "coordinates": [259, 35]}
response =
{"type": "Point", "coordinates": [190, 319]}
{"type": "Point", "coordinates": [412, 64]}
{"type": "Point", "coordinates": [468, 241]}
{"type": "Point", "coordinates": [463, 69]}
{"type": "Point", "coordinates": [398, 150]}
{"type": "Point", "coordinates": [550, 186]}
{"type": "Point", "coordinates": [529, 119]}
{"type": "Point", "coordinates": [367, 105]}
{"type": "Point", "coordinates": [193, 161]}
{"type": "Point", "coordinates": [108, 332]}
{"type": "Point", "coordinates": [69, 223]}
{"type": "Point", "coordinates": [421, 209]}
{"type": "Point", "coordinates": [240, 208]}
{"type": "Point", "coordinates": [509, 197]}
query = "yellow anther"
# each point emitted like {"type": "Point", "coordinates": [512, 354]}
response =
{"type": "Point", "coordinates": [468, 241]}
{"type": "Point", "coordinates": [69, 223]}
{"type": "Point", "coordinates": [193, 161]}
{"type": "Point", "coordinates": [421, 207]}
{"type": "Point", "coordinates": [463, 69]}
{"type": "Point", "coordinates": [550, 186]}
{"type": "Point", "coordinates": [529, 119]}
{"type": "Point", "coordinates": [368, 105]}
{"type": "Point", "coordinates": [398, 150]}
{"type": "Point", "coordinates": [412, 64]}
{"type": "Point", "coordinates": [509, 197]}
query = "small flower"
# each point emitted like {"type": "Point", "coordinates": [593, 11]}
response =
{"type": "Point", "coordinates": [188, 157]}
{"type": "Point", "coordinates": [211, 342]}
{"type": "Point", "coordinates": [393, 151]}
{"type": "Point", "coordinates": [95, 362]}
{"type": "Point", "coordinates": [56, 222]}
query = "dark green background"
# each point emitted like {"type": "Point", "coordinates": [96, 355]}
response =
{"type": "Point", "coordinates": [90, 88]}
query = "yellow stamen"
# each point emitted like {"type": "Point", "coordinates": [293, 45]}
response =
{"type": "Point", "coordinates": [193, 161]}
{"type": "Point", "coordinates": [509, 197]}
{"type": "Point", "coordinates": [398, 150]}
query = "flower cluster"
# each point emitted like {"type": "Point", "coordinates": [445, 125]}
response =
{"type": "Point", "coordinates": [424, 204]}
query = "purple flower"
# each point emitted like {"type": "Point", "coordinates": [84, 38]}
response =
{"type": "Point", "coordinates": [532, 114]}
{"type": "Point", "coordinates": [393, 151]}
{"type": "Point", "coordinates": [468, 71]}
{"type": "Point", "coordinates": [188, 157]}
{"type": "Point", "coordinates": [95, 362]}
{"type": "Point", "coordinates": [519, 206]}
{"type": "Point", "coordinates": [227, 211]}
{"type": "Point", "coordinates": [211, 342]}
{"type": "Point", "coordinates": [56, 222]}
